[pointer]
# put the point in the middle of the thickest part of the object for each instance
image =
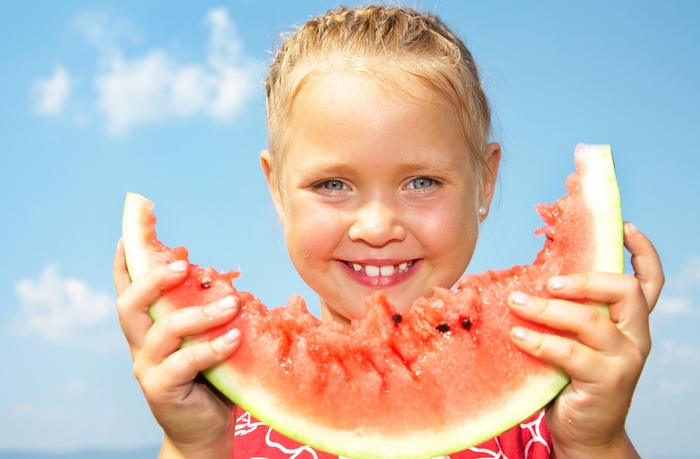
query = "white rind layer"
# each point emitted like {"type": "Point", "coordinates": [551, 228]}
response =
{"type": "Point", "coordinates": [136, 250]}
{"type": "Point", "coordinates": [601, 193]}
{"type": "Point", "coordinates": [136, 209]}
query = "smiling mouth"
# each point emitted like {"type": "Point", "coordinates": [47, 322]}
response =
{"type": "Point", "coordinates": [383, 271]}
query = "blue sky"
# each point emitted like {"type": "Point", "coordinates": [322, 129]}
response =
{"type": "Point", "coordinates": [164, 98]}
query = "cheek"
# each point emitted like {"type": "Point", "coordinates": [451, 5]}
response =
{"type": "Point", "coordinates": [448, 234]}
{"type": "Point", "coordinates": [446, 224]}
{"type": "Point", "coordinates": [311, 233]}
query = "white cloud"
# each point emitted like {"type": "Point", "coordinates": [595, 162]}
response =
{"type": "Point", "coordinates": [677, 306]}
{"type": "Point", "coordinates": [680, 365]}
{"type": "Point", "coordinates": [676, 387]}
{"type": "Point", "coordinates": [689, 276]}
{"type": "Point", "coordinates": [679, 297]}
{"type": "Point", "coordinates": [104, 33]}
{"type": "Point", "coordinates": [50, 94]}
{"type": "Point", "coordinates": [75, 389]}
{"type": "Point", "coordinates": [155, 87]}
{"type": "Point", "coordinates": [66, 311]}
{"type": "Point", "coordinates": [686, 355]}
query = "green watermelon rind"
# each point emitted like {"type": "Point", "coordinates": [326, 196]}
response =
{"type": "Point", "coordinates": [597, 174]}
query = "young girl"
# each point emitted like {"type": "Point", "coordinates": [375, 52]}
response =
{"type": "Point", "coordinates": [381, 171]}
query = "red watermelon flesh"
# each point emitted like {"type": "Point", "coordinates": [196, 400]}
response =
{"type": "Point", "coordinates": [438, 378]}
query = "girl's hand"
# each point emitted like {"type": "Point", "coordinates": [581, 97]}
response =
{"type": "Point", "coordinates": [588, 418]}
{"type": "Point", "coordinates": [196, 419]}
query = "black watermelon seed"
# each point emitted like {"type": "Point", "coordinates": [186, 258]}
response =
{"type": "Point", "coordinates": [206, 283]}
{"type": "Point", "coordinates": [397, 318]}
{"type": "Point", "coordinates": [443, 327]}
{"type": "Point", "coordinates": [466, 324]}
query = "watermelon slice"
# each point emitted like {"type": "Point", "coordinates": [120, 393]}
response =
{"type": "Point", "coordinates": [436, 379]}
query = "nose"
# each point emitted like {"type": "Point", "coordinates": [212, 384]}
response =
{"type": "Point", "coordinates": [377, 224]}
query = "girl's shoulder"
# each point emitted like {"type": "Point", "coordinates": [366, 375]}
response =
{"type": "Point", "coordinates": [527, 440]}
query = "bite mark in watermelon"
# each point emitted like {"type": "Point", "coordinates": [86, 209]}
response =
{"type": "Point", "coordinates": [438, 378]}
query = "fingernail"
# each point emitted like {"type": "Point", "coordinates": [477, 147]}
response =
{"type": "Point", "coordinates": [178, 266]}
{"type": "Point", "coordinates": [226, 303]}
{"type": "Point", "coordinates": [558, 282]}
{"type": "Point", "coordinates": [629, 226]}
{"type": "Point", "coordinates": [519, 333]}
{"type": "Point", "coordinates": [519, 298]}
{"type": "Point", "coordinates": [231, 336]}
{"type": "Point", "coordinates": [225, 340]}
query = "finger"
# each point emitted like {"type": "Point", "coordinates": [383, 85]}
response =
{"type": "Point", "coordinates": [577, 360]}
{"type": "Point", "coordinates": [183, 366]}
{"type": "Point", "coordinates": [119, 272]}
{"type": "Point", "coordinates": [589, 325]}
{"type": "Point", "coordinates": [623, 294]}
{"type": "Point", "coordinates": [646, 264]}
{"type": "Point", "coordinates": [167, 334]}
{"type": "Point", "coordinates": [133, 303]}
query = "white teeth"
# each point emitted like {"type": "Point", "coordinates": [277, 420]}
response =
{"type": "Point", "coordinates": [385, 271]}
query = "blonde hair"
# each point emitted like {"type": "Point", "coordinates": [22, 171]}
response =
{"type": "Point", "coordinates": [393, 46]}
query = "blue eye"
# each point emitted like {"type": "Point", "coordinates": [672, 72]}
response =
{"type": "Point", "coordinates": [421, 183]}
{"type": "Point", "coordinates": [333, 185]}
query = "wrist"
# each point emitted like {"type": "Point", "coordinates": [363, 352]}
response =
{"type": "Point", "coordinates": [221, 449]}
{"type": "Point", "coordinates": [618, 448]}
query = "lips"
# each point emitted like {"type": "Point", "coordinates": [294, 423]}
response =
{"type": "Point", "coordinates": [380, 273]}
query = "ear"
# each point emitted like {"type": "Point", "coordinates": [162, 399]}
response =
{"type": "Point", "coordinates": [267, 163]}
{"type": "Point", "coordinates": [492, 160]}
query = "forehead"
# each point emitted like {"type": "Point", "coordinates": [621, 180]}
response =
{"type": "Point", "coordinates": [340, 94]}
{"type": "Point", "coordinates": [347, 116]}
{"type": "Point", "coordinates": [401, 78]}
{"type": "Point", "coordinates": [341, 91]}
{"type": "Point", "coordinates": [405, 77]}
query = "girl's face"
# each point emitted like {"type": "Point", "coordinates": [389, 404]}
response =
{"type": "Point", "coordinates": [376, 192]}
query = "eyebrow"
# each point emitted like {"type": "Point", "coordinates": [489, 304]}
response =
{"type": "Point", "coordinates": [330, 167]}
{"type": "Point", "coordinates": [324, 167]}
{"type": "Point", "coordinates": [430, 164]}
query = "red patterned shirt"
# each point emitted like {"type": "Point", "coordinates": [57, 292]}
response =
{"type": "Point", "coordinates": [255, 440]}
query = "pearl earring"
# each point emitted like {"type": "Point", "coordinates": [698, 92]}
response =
{"type": "Point", "coordinates": [482, 211]}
